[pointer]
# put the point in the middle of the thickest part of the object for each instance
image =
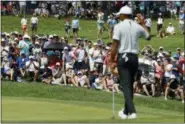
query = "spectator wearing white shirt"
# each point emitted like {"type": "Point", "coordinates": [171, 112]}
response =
{"type": "Point", "coordinates": [148, 23]}
{"type": "Point", "coordinates": [81, 57]}
{"type": "Point", "coordinates": [170, 29]}
{"type": "Point", "coordinates": [34, 24]}
{"type": "Point", "coordinates": [75, 27]}
{"type": "Point", "coordinates": [68, 59]}
{"type": "Point", "coordinates": [98, 58]}
{"type": "Point", "coordinates": [32, 67]}
{"type": "Point", "coordinates": [160, 22]}
{"type": "Point", "coordinates": [24, 25]}
{"type": "Point", "coordinates": [100, 24]}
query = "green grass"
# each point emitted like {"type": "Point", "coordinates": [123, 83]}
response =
{"type": "Point", "coordinates": [89, 30]}
{"type": "Point", "coordinates": [44, 103]}
{"type": "Point", "coordinates": [28, 102]}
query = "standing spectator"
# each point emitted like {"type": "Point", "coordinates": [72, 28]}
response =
{"type": "Point", "coordinates": [32, 68]}
{"type": "Point", "coordinates": [34, 24]}
{"type": "Point", "coordinates": [75, 27]}
{"type": "Point", "coordinates": [24, 25]}
{"type": "Point", "coordinates": [181, 21]}
{"type": "Point", "coordinates": [148, 23]}
{"type": "Point", "coordinates": [160, 22]}
{"type": "Point", "coordinates": [22, 4]}
{"type": "Point", "coordinates": [24, 44]}
{"type": "Point", "coordinates": [100, 24]}
{"type": "Point", "coordinates": [98, 58]}
{"type": "Point", "coordinates": [68, 59]}
{"type": "Point", "coordinates": [81, 56]}
{"type": "Point", "coordinates": [43, 62]}
{"type": "Point", "coordinates": [67, 27]}
{"type": "Point", "coordinates": [37, 51]}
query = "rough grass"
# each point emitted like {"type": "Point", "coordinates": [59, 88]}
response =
{"type": "Point", "coordinates": [89, 30]}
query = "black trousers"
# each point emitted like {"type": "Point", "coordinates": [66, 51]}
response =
{"type": "Point", "coordinates": [127, 68]}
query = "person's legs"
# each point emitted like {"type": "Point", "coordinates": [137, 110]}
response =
{"type": "Point", "coordinates": [153, 89]}
{"type": "Point", "coordinates": [36, 75]}
{"type": "Point", "coordinates": [125, 80]}
{"type": "Point", "coordinates": [145, 90]}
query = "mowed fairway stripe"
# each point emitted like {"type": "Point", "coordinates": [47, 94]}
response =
{"type": "Point", "coordinates": [41, 110]}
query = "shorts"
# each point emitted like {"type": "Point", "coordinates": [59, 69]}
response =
{"type": "Point", "coordinates": [149, 29]}
{"type": "Point", "coordinates": [75, 30]}
{"type": "Point", "coordinates": [159, 27]}
{"type": "Point", "coordinates": [24, 27]}
{"type": "Point", "coordinates": [181, 27]}
{"type": "Point", "coordinates": [67, 29]}
{"type": "Point", "coordinates": [34, 27]}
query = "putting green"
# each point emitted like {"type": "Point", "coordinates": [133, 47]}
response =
{"type": "Point", "coordinates": [19, 109]}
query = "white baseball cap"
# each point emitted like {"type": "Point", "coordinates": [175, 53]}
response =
{"type": "Point", "coordinates": [65, 48]}
{"type": "Point", "coordinates": [31, 57]}
{"type": "Point", "coordinates": [125, 10]}
{"type": "Point", "coordinates": [37, 42]}
{"type": "Point", "coordinates": [26, 36]}
{"type": "Point", "coordinates": [50, 36]}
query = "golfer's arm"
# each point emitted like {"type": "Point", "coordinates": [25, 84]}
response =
{"type": "Point", "coordinates": [114, 49]}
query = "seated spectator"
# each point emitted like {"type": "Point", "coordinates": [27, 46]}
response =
{"type": "Point", "coordinates": [57, 74]}
{"type": "Point", "coordinates": [32, 68]}
{"type": "Point", "coordinates": [68, 77]}
{"type": "Point", "coordinates": [110, 84]}
{"type": "Point", "coordinates": [21, 62]}
{"type": "Point", "coordinates": [43, 61]}
{"type": "Point", "coordinates": [99, 83]}
{"type": "Point", "coordinates": [82, 80]}
{"type": "Point", "coordinates": [46, 76]}
{"type": "Point", "coordinates": [147, 82]}
{"type": "Point", "coordinates": [174, 87]}
{"type": "Point", "coordinates": [170, 29]}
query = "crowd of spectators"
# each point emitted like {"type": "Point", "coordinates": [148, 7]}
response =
{"type": "Point", "coordinates": [86, 63]}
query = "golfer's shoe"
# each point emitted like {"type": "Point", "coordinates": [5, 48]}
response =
{"type": "Point", "coordinates": [132, 116]}
{"type": "Point", "coordinates": [122, 115]}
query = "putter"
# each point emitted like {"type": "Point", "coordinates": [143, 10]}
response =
{"type": "Point", "coordinates": [113, 112]}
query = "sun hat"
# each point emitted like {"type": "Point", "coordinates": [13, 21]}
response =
{"type": "Point", "coordinates": [125, 10]}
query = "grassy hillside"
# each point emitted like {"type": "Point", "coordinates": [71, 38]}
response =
{"type": "Point", "coordinates": [89, 30]}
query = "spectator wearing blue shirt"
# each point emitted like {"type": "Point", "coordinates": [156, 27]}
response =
{"type": "Point", "coordinates": [75, 27]}
{"type": "Point", "coordinates": [177, 54]}
{"type": "Point", "coordinates": [21, 62]}
{"type": "Point", "coordinates": [111, 22]}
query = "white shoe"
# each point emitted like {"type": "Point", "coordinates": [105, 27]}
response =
{"type": "Point", "coordinates": [182, 101]}
{"type": "Point", "coordinates": [132, 116]}
{"type": "Point", "coordinates": [122, 115]}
